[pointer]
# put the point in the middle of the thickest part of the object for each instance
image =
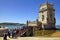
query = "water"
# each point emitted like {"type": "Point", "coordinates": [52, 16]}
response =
{"type": "Point", "coordinates": [13, 26]}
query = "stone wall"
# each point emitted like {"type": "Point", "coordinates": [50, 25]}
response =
{"type": "Point", "coordinates": [2, 31]}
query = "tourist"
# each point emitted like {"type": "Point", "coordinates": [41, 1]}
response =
{"type": "Point", "coordinates": [9, 34]}
{"type": "Point", "coordinates": [5, 36]}
{"type": "Point", "coordinates": [12, 34]}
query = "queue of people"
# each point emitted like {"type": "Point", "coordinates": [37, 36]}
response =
{"type": "Point", "coordinates": [14, 33]}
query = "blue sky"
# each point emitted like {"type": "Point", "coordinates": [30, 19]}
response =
{"type": "Point", "coordinates": [20, 11]}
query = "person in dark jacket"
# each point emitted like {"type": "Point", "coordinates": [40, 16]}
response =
{"type": "Point", "coordinates": [5, 36]}
{"type": "Point", "coordinates": [12, 34]}
{"type": "Point", "coordinates": [9, 34]}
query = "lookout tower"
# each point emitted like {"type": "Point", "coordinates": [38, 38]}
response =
{"type": "Point", "coordinates": [47, 16]}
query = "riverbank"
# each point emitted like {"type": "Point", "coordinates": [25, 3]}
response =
{"type": "Point", "coordinates": [52, 36]}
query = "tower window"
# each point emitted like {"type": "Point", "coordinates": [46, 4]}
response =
{"type": "Point", "coordinates": [42, 17]}
{"type": "Point", "coordinates": [42, 11]}
{"type": "Point", "coordinates": [51, 16]}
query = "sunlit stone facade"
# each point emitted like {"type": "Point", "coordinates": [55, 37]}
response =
{"type": "Point", "coordinates": [46, 18]}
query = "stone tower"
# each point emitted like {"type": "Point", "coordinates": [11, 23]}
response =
{"type": "Point", "coordinates": [47, 16]}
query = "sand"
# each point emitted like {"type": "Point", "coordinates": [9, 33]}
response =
{"type": "Point", "coordinates": [56, 34]}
